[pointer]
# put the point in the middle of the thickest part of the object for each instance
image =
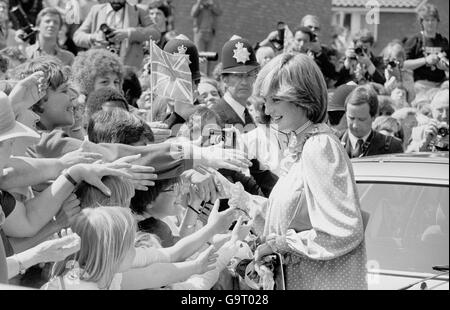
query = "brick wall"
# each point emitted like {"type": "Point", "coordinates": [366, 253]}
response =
{"type": "Point", "coordinates": [254, 19]}
{"type": "Point", "coordinates": [394, 26]}
{"type": "Point", "coordinates": [399, 25]}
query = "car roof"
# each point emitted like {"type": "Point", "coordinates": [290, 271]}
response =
{"type": "Point", "coordinates": [415, 168]}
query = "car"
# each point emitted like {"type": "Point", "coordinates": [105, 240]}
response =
{"type": "Point", "coordinates": [407, 236]}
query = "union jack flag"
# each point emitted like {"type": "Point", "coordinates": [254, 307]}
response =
{"type": "Point", "coordinates": [170, 75]}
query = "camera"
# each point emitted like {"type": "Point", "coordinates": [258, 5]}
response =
{"type": "Point", "coordinates": [209, 56]}
{"type": "Point", "coordinates": [392, 64]}
{"type": "Point", "coordinates": [227, 136]}
{"type": "Point", "coordinates": [443, 131]}
{"type": "Point", "coordinates": [279, 41]}
{"type": "Point", "coordinates": [360, 51]}
{"type": "Point", "coordinates": [112, 47]}
{"type": "Point", "coordinates": [21, 20]}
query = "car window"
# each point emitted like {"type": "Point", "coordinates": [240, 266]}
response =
{"type": "Point", "coordinates": [408, 226]}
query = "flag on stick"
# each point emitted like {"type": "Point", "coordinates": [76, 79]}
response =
{"type": "Point", "coordinates": [170, 75]}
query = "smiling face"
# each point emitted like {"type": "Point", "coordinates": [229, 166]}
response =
{"type": "Point", "coordinates": [285, 115]}
{"type": "Point", "coordinates": [58, 108]}
{"type": "Point", "coordinates": [49, 26]}
{"type": "Point", "coordinates": [208, 94]}
{"type": "Point", "coordinates": [167, 202]}
{"type": "Point", "coordinates": [359, 120]}
{"type": "Point", "coordinates": [109, 80]}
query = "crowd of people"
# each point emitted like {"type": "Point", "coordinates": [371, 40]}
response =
{"type": "Point", "coordinates": [105, 184]}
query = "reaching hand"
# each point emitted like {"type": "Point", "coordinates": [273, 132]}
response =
{"type": "Point", "coordinates": [93, 174]}
{"type": "Point", "coordinates": [432, 59]}
{"type": "Point", "coordinates": [240, 232]}
{"type": "Point", "coordinates": [262, 250]}
{"type": "Point", "coordinates": [29, 91]}
{"type": "Point", "coordinates": [206, 260]}
{"type": "Point", "coordinates": [79, 157]}
{"type": "Point", "coordinates": [141, 176]}
{"type": "Point", "coordinates": [202, 183]}
{"type": "Point", "coordinates": [59, 248]}
{"type": "Point", "coordinates": [69, 209]}
{"type": "Point", "coordinates": [217, 157]}
{"type": "Point", "coordinates": [118, 35]}
{"type": "Point", "coordinates": [221, 221]}
{"type": "Point", "coordinates": [161, 131]}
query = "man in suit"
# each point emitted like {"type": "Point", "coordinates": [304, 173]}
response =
{"type": "Point", "coordinates": [239, 73]}
{"type": "Point", "coordinates": [240, 69]}
{"type": "Point", "coordinates": [359, 140]}
{"type": "Point", "coordinates": [131, 26]}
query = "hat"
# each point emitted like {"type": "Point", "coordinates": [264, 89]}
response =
{"type": "Point", "coordinates": [238, 56]}
{"type": "Point", "coordinates": [337, 100]}
{"type": "Point", "coordinates": [9, 127]}
{"type": "Point", "coordinates": [182, 45]}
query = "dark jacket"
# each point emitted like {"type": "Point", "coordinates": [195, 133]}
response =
{"type": "Point", "coordinates": [227, 114]}
{"type": "Point", "coordinates": [343, 75]}
{"type": "Point", "coordinates": [376, 144]}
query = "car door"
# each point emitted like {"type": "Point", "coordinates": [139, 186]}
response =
{"type": "Point", "coordinates": [407, 235]}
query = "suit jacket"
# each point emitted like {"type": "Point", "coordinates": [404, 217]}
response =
{"type": "Point", "coordinates": [136, 20]}
{"type": "Point", "coordinates": [227, 114]}
{"type": "Point", "coordinates": [376, 144]}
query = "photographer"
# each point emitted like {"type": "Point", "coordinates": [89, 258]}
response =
{"type": "Point", "coordinates": [205, 13]}
{"type": "Point", "coordinates": [359, 64]}
{"type": "Point", "coordinates": [7, 35]}
{"type": "Point", "coordinates": [30, 7]}
{"type": "Point", "coordinates": [49, 22]}
{"type": "Point", "coordinates": [427, 51]}
{"type": "Point", "coordinates": [434, 135]}
{"type": "Point", "coordinates": [306, 42]}
{"type": "Point", "coordinates": [119, 27]}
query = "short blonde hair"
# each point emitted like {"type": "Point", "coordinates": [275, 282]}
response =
{"type": "Point", "coordinates": [121, 193]}
{"type": "Point", "coordinates": [107, 235]}
{"type": "Point", "coordinates": [295, 78]}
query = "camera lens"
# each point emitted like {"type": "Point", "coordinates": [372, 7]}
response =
{"type": "Point", "coordinates": [359, 51]}
{"type": "Point", "coordinates": [393, 64]}
{"type": "Point", "coordinates": [443, 131]}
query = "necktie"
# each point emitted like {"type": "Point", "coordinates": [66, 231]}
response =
{"type": "Point", "coordinates": [248, 118]}
{"type": "Point", "coordinates": [358, 148]}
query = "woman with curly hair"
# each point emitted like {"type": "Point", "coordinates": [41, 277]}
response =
{"type": "Point", "coordinates": [97, 68]}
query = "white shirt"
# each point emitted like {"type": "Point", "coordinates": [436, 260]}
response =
{"type": "Point", "coordinates": [114, 19]}
{"type": "Point", "coordinates": [237, 107]}
{"type": "Point", "coordinates": [354, 140]}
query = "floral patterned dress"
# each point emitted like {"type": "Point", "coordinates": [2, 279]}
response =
{"type": "Point", "coordinates": [313, 215]}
